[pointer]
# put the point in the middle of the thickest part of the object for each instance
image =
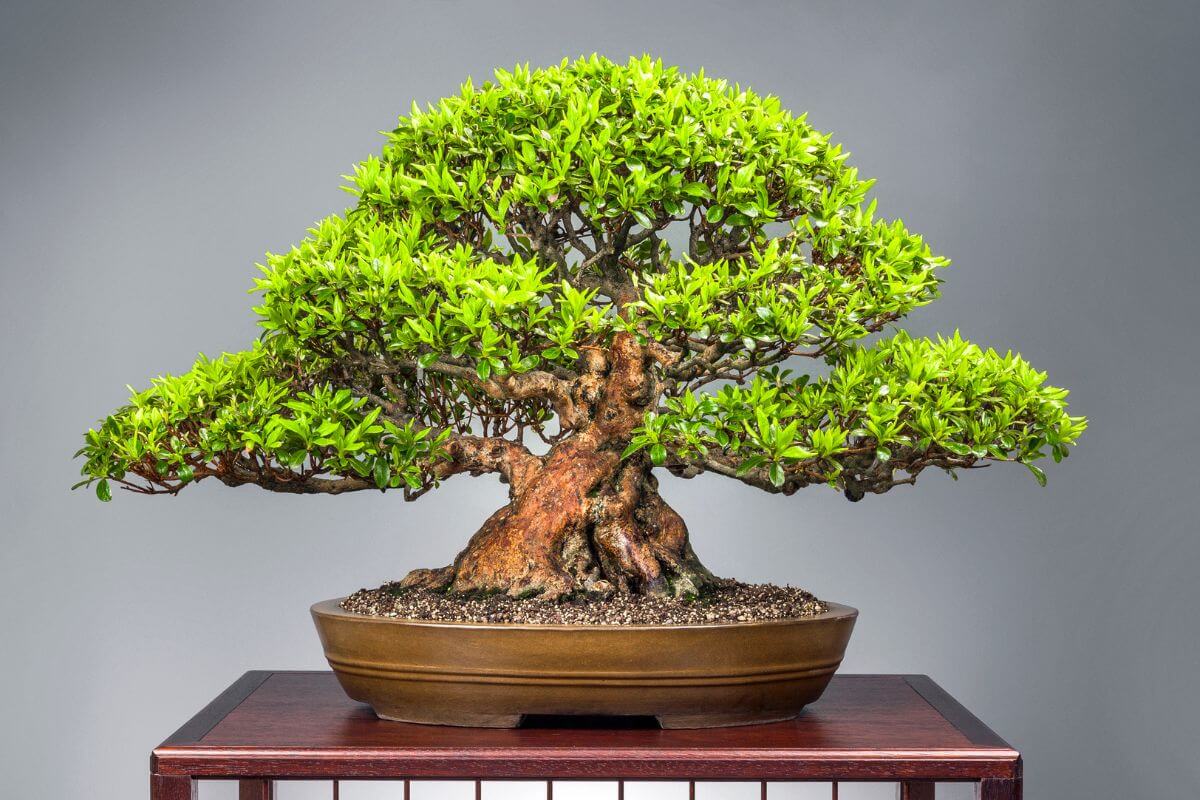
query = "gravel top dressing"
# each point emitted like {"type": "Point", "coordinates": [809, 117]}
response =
{"type": "Point", "coordinates": [730, 601]}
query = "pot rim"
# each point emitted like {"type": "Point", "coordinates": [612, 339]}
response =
{"type": "Point", "coordinates": [332, 608]}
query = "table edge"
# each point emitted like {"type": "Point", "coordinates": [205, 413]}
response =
{"type": "Point", "coordinates": [589, 764]}
{"type": "Point", "coordinates": [954, 712]}
{"type": "Point", "coordinates": [196, 728]}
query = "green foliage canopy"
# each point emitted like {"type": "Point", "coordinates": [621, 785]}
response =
{"type": "Point", "coordinates": [508, 229]}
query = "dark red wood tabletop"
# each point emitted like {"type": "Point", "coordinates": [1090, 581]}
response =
{"type": "Point", "coordinates": [866, 727]}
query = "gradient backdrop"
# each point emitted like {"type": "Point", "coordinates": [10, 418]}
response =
{"type": "Point", "coordinates": [151, 152]}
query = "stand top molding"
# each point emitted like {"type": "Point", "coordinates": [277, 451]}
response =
{"type": "Point", "coordinates": [301, 725]}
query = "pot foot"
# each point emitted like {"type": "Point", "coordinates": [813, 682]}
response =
{"type": "Point", "coordinates": [456, 719]}
{"type": "Point", "coordinates": [684, 721]}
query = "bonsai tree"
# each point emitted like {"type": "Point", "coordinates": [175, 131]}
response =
{"type": "Point", "coordinates": [572, 277]}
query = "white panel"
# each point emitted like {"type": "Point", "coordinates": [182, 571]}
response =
{"type": "Point", "coordinates": [371, 790]}
{"type": "Point", "coordinates": [656, 790]}
{"type": "Point", "coordinates": [728, 790]}
{"type": "Point", "coordinates": [799, 791]}
{"type": "Point", "coordinates": [443, 790]}
{"type": "Point", "coordinates": [303, 790]}
{"type": "Point", "coordinates": [867, 791]}
{"type": "Point", "coordinates": [516, 790]}
{"type": "Point", "coordinates": [218, 790]}
{"type": "Point", "coordinates": [585, 790]}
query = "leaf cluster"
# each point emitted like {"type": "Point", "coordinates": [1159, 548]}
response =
{"type": "Point", "coordinates": [639, 139]}
{"type": "Point", "coordinates": [901, 405]}
{"type": "Point", "coordinates": [381, 290]}
{"type": "Point", "coordinates": [249, 407]}
{"type": "Point", "coordinates": [778, 300]}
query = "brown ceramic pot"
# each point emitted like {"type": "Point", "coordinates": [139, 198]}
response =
{"type": "Point", "coordinates": [688, 676]}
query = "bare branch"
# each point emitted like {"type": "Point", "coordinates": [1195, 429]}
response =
{"type": "Point", "coordinates": [533, 385]}
{"type": "Point", "coordinates": [478, 455]}
{"type": "Point", "coordinates": [242, 470]}
{"type": "Point", "coordinates": [862, 472]}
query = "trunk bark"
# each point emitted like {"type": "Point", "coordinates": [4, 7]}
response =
{"type": "Point", "coordinates": [584, 519]}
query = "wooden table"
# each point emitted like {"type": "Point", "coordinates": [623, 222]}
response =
{"type": "Point", "coordinates": [271, 726]}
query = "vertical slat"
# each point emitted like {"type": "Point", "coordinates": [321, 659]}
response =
{"type": "Point", "coordinates": [691, 790]}
{"type": "Point", "coordinates": [172, 787]}
{"type": "Point", "coordinates": [620, 790]}
{"type": "Point", "coordinates": [336, 789]}
{"type": "Point", "coordinates": [762, 793]}
{"type": "Point", "coordinates": [549, 790]}
{"type": "Point", "coordinates": [993, 789]}
{"type": "Point", "coordinates": [256, 789]}
{"type": "Point", "coordinates": [834, 794]}
{"type": "Point", "coordinates": [478, 789]}
{"type": "Point", "coordinates": [915, 790]}
{"type": "Point", "coordinates": [407, 789]}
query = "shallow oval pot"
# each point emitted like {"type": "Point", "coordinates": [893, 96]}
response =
{"type": "Point", "coordinates": [492, 675]}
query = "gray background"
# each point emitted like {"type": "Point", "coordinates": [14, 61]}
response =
{"type": "Point", "coordinates": [150, 153]}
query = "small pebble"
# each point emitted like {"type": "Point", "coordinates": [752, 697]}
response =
{"type": "Point", "coordinates": [727, 601]}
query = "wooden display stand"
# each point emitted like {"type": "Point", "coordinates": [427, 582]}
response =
{"type": "Point", "coordinates": [275, 726]}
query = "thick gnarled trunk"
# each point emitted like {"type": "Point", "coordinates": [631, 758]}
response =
{"type": "Point", "coordinates": [578, 528]}
{"type": "Point", "coordinates": [582, 518]}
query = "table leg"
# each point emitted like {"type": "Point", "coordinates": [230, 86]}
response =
{"type": "Point", "coordinates": [256, 789]}
{"type": "Point", "coordinates": [915, 790]}
{"type": "Point", "coordinates": [172, 787]}
{"type": "Point", "coordinates": [999, 789]}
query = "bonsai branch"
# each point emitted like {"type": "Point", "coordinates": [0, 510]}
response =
{"type": "Point", "coordinates": [862, 471]}
{"type": "Point", "coordinates": [242, 469]}
{"type": "Point", "coordinates": [478, 455]}
{"type": "Point", "coordinates": [556, 388]}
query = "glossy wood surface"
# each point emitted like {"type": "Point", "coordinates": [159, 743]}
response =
{"type": "Point", "coordinates": [256, 789]}
{"type": "Point", "coordinates": [301, 725]}
{"type": "Point", "coordinates": [916, 790]}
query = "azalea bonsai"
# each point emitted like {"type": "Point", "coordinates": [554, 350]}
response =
{"type": "Point", "coordinates": [569, 278]}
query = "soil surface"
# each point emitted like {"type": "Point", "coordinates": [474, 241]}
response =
{"type": "Point", "coordinates": [729, 601]}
